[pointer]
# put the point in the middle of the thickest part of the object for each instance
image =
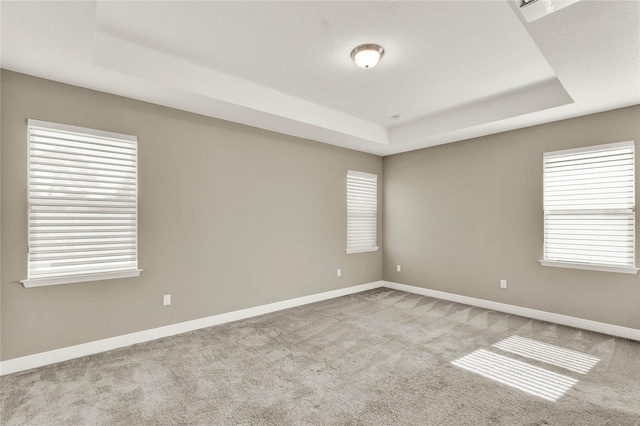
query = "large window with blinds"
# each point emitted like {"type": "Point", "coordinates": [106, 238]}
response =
{"type": "Point", "coordinates": [362, 212]}
{"type": "Point", "coordinates": [83, 198]}
{"type": "Point", "coordinates": [589, 208]}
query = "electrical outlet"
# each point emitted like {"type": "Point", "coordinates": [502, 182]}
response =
{"type": "Point", "coordinates": [503, 283]}
{"type": "Point", "coordinates": [339, 272]}
{"type": "Point", "coordinates": [398, 268]}
{"type": "Point", "coordinates": [166, 300]}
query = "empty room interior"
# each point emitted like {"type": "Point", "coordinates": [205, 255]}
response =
{"type": "Point", "coordinates": [319, 212]}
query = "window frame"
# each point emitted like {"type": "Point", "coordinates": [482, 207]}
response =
{"type": "Point", "coordinates": [61, 278]}
{"type": "Point", "coordinates": [364, 175]}
{"type": "Point", "coordinates": [591, 266]}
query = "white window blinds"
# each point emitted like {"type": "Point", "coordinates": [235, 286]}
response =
{"type": "Point", "coordinates": [589, 206]}
{"type": "Point", "coordinates": [362, 212]}
{"type": "Point", "coordinates": [83, 190]}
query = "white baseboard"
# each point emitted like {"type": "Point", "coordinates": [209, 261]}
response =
{"type": "Point", "coordinates": [90, 348]}
{"type": "Point", "coordinates": [51, 357]}
{"type": "Point", "coordinates": [600, 327]}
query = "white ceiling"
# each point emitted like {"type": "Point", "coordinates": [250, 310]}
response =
{"type": "Point", "coordinates": [452, 70]}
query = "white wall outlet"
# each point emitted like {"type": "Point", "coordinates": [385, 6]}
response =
{"type": "Point", "coordinates": [339, 272]}
{"type": "Point", "coordinates": [503, 283]}
{"type": "Point", "coordinates": [398, 268]}
{"type": "Point", "coordinates": [166, 300]}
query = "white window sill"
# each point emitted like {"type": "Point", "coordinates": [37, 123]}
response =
{"type": "Point", "coordinates": [68, 279]}
{"type": "Point", "coordinates": [590, 267]}
{"type": "Point", "coordinates": [367, 250]}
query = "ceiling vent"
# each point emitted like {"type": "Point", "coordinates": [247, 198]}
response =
{"type": "Point", "coordinates": [536, 9]}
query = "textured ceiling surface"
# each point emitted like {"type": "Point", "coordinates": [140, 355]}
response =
{"type": "Point", "coordinates": [452, 70]}
{"type": "Point", "coordinates": [438, 54]}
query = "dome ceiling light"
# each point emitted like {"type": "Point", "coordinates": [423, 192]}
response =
{"type": "Point", "coordinates": [367, 55]}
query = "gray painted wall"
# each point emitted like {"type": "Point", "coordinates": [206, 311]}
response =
{"type": "Point", "coordinates": [460, 217]}
{"type": "Point", "coordinates": [230, 217]}
{"type": "Point", "coordinates": [233, 217]}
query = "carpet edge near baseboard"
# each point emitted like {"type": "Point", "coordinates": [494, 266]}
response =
{"type": "Point", "coordinates": [28, 362]}
{"type": "Point", "coordinates": [71, 352]}
{"type": "Point", "coordinates": [580, 323]}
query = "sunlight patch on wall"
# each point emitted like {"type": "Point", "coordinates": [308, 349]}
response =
{"type": "Point", "coordinates": [520, 375]}
{"type": "Point", "coordinates": [555, 355]}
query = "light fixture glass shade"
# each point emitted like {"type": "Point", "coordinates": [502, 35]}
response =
{"type": "Point", "coordinates": [367, 55]}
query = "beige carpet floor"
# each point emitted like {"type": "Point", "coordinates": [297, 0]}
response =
{"type": "Point", "coordinates": [380, 357]}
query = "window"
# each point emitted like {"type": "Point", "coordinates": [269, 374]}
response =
{"type": "Point", "coordinates": [83, 198]}
{"type": "Point", "coordinates": [589, 208]}
{"type": "Point", "coordinates": [362, 212]}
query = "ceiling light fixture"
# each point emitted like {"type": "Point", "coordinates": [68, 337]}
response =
{"type": "Point", "coordinates": [367, 55]}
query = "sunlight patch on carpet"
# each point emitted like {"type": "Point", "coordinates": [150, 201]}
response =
{"type": "Point", "coordinates": [517, 374]}
{"type": "Point", "coordinates": [555, 355]}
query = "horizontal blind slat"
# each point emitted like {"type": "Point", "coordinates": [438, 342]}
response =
{"type": "Point", "coordinates": [78, 137]}
{"type": "Point", "coordinates": [80, 248]}
{"type": "Point", "coordinates": [46, 151]}
{"type": "Point", "coordinates": [595, 159]}
{"type": "Point", "coordinates": [82, 178]}
{"type": "Point", "coordinates": [97, 167]}
{"type": "Point", "coordinates": [72, 242]}
{"type": "Point", "coordinates": [76, 149]}
{"type": "Point", "coordinates": [620, 172]}
{"type": "Point", "coordinates": [594, 166]}
{"type": "Point", "coordinates": [65, 144]}
{"type": "Point", "coordinates": [596, 152]}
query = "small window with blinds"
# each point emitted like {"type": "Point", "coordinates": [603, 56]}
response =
{"type": "Point", "coordinates": [83, 202]}
{"type": "Point", "coordinates": [362, 212]}
{"type": "Point", "coordinates": [589, 208]}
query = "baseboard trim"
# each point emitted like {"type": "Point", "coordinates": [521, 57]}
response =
{"type": "Point", "coordinates": [58, 355]}
{"type": "Point", "coordinates": [600, 327]}
{"type": "Point", "coordinates": [64, 354]}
